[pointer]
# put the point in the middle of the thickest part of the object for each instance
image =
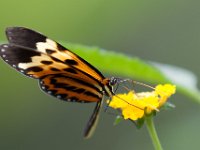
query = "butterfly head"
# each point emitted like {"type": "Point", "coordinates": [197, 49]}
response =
{"type": "Point", "coordinates": [114, 81]}
{"type": "Point", "coordinates": [109, 83]}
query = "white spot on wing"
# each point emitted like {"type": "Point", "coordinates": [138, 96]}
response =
{"type": "Point", "coordinates": [5, 46]}
{"type": "Point", "coordinates": [35, 61]}
{"type": "Point", "coordinates": [49, 44]}
{"type": "Point", "coordinates": [58, 96]}
{"type": "Point", "coordinates": [49, 92]}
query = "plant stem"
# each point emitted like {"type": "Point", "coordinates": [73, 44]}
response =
{"type": "Point", "coordinates": [152, 133]}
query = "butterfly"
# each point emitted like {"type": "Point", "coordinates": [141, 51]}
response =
{"type": "Point", "coordinates": [60, 72]}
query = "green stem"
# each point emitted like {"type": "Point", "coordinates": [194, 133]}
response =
{"type": "Point", "coordinates": [152, 132]}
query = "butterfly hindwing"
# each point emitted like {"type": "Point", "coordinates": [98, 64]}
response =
{"type": "Point", "coordinates": [70, 88]}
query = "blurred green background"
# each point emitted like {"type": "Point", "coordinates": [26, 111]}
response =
{"type": "Point", "coordinates": [163, 31]}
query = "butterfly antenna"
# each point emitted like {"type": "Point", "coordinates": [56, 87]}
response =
{"type": "Point", "coordinates": [143, 84]}
{"type": "Point", "coordinates": [119, 80]}
{"type": "Point", "coordinates": [126, 88]}
{"type": "Point", "coordinates": [138, 83]}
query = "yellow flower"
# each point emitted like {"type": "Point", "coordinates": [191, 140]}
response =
{"type": "Point", "coordinates": [165, 91]}
{"type": "Point", "coordinates": [136, 105]}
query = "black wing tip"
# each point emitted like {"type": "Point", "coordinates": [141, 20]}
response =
{"type": "Point", "coordinates": [10, 31]}
{"type": "Point", "coordinates": [24, 36]}
{"type": "Point", "coordinates": [15, 28]}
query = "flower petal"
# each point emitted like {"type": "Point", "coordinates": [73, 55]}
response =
{"type": "Point", "coordinates": [136, 105]}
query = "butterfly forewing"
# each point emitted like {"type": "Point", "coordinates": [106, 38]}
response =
{"type": "Point", "coordinates": [32, 63]}
{"type": "Point", "coordinates": [36, 41]}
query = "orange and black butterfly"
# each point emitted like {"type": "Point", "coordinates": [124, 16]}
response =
{"type": "Point", "coordinates": [61, 73]}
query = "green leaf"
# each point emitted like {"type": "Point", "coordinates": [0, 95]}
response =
{"type": "Point", "coordinates": [139, 123]}
{"type": "Point", "coordinates": [118, 119]}
{"type": "Point", "coordinates": [185, 80]}
{"type": "Point", "coordinates": [137, 69]}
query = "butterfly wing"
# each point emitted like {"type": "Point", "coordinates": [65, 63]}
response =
{"type": "Point", "coordinates": [62, 73]}
{"type": "Point", "coordinates": [69, 88]}
{"type": "Point", "coordinates": [38, 42]}
{"type": "Point", "coordinates": [29, 62]}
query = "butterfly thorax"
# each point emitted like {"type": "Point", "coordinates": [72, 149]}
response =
{"type": "Point", "coordinates": [108, 87]}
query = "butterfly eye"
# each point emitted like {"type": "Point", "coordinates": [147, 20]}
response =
{"type": "Point", "coordinates": [113, 81]}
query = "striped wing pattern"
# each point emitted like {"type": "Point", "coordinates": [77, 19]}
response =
{"type": "Point", "coordinates": [69, 88]}
{"type": "Point", "coordinates": [61, 73]}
